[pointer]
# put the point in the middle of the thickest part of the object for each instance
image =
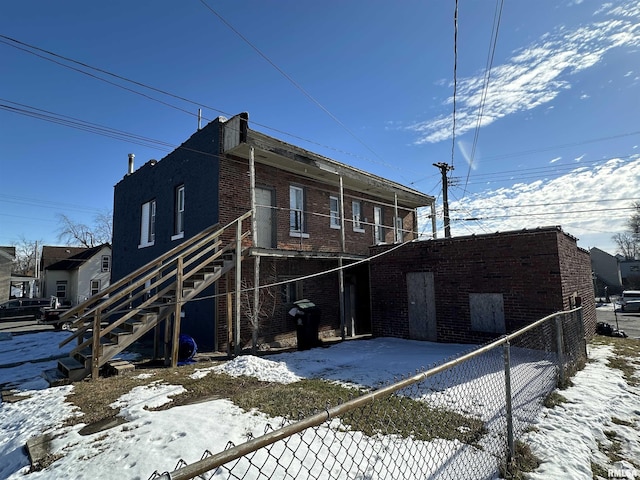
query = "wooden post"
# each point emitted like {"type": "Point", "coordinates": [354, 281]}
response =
{"type": "Point", "coordinates": [229, 314]}
{"type": "Point", "coordinates": [256, 265]}
{"type": "Point", "coordinates": [396, 235]}
{"type": "Point", "coordinates": [95, 347]}
{"type": "Point", "coordinates": [176, 314]}
{"type": "Point", "coordinates": [343, 321]}
{"type": "Point", "coordinates": [236, 339]}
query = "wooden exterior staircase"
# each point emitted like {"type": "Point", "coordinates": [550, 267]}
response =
{"type": "Point", "coordinates": [109, 322]}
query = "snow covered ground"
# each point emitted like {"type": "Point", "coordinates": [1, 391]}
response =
{"type": "Point", "coordinates": [566, 437]}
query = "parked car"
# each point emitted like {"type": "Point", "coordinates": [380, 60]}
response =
{"type": "Point", "coordinates": [22, 309]}
{"type": "Point", "coordinates": [630, 301]}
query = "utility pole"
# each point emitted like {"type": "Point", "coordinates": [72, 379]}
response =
{"type": "Point", "coordinates": [444, 168]}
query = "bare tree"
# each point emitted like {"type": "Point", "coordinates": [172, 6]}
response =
{"type": "Point", "coordinates": [266, 307]}
{"type": "Point", "coordinates": [628, 242]}
{"type": "Point", "coordinates": [26, 256]}
{"type": "Point", "coordinates": [76, 233]}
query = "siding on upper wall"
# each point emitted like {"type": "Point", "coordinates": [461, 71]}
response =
{"type": "Point", "coordinates": [195, 165]}
{"type": "Point", "coordinates": [5, 280]}
{"type": "Point", "coordinates": [535, 271]}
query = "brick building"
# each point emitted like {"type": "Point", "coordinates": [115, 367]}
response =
{"type": "Point", "coordinates": [313, 214]}
{"type": "Point", "coordinates": [474, 288]}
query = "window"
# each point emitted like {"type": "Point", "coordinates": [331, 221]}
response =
{"type": "Point", "coordinates": [378, 229]}
{"type": "Point", "coordinates": [399, 230]}
{"type": "Point", "coordinates": [95, 287]}
{"type": "Point", "coordinates": [148, 224]}
{"type": "Point", "coordinates": [334, 211]}
{"type": "Point", "coordinates": [291, 291]}
{"type": "Point", "coordinates": [297, 222]}
{"type": "Point", "coordinates": [106, 263]}
{"type": "Point", "coordinates": [61, 289]}
{"type": "Point", "coordinates": [356, 209]}
{"type": "Point", "coordinates": [178, 229]}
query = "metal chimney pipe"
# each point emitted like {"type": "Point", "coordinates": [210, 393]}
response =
{"type": "Point", "coordinates": [131, 158]}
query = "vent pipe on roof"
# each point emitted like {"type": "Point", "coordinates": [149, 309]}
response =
{"type": "Point", "coordinates": [199, 118]}
{"type": "Point", "coordinates": [131, 158]}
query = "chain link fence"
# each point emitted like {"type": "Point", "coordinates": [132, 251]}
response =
{"type": "Point", "coordinates": [460, 419]}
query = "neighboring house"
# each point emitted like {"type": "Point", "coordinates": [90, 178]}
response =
{"type": "Point", "coordinates": [79, 276]}
{"type": "Point", "coordinates": [474, 288]}
{"type": "Point", "coordinates": [7, 256]}
{"type": "Point", "coordinates": [313, 214]}
{"type": "Point", "coordinates": [606, 271]}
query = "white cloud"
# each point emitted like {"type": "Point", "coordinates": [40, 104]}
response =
{"type": "Point", "coordinates": [534, 75]}
{"type": "Point", "coordinates": [590, 203]}
{"type": "Point", "coordinates": [554, 160]}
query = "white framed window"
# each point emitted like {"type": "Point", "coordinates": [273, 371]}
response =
{"type": "Point", "coordinates": [399, 230]}
{"type": "Point", "coordinates": [356, 210]}
{"type": "Point", "coordinates": [378, 228]}
{"type": "Point", "coordinates": [61, 289]}
{"type": "Point", "coordinates": [95, 287]}
{"type": "Point", "coordinates": [334, 212]}
{"type": "Point", "coordinates": [178, 224]}
{"type": "Point", "coordinates": [297, 223]}
{"type": "Point", "coordinates": [148, 224]}
{"type": "Point", "coordinates": [106, 263]}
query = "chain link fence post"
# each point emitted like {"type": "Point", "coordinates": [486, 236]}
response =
{"type": "Point", "coordinates": [560, 350]}
{"type": "Point", "coordinates": [507, 399]}
{"type": "Point", "coordinates": [583, 334]}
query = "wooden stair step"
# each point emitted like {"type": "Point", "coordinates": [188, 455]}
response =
{"type": "Point", "coordinates": [72, 368]}
{"type": "Point", "coordinates": [55, 377]}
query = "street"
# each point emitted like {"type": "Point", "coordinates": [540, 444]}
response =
{"type": "Point", "coordinates": [628, 322]}
{"type": "Point", "coordinates": [23, 326]}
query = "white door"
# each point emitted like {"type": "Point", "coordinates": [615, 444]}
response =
{"type": "Point", "coordinates": [265, 217]}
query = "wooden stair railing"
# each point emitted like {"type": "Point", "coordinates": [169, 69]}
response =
{"type": "Point", "coordinates": [154, 292]}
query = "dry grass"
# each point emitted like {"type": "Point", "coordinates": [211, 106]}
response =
{"type": "Point", "coordinates": [410, 418]}
{"type": "Point", "coordinates": [626, 353]}
{"type": "Point", "coordinates": [523, 461]}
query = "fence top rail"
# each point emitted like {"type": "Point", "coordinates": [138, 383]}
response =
{"type": "Point", "coordinates": [206, 464]}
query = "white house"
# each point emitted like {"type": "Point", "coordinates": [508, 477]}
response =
{"type": "Point", "coordinates": [80, 276]}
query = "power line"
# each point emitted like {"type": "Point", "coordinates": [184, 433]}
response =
{"type": "Point", "coordinates": [552, 204]}
{"type": "Point", "coordinates": [492, 50]}
{"type": "Point", "coordinates": [455, 80]}
{"type": "Point", "coordinates": [543, 214]}
{"type": "Point", "coordinates": [289, 78]}
{"type": "Point", "coordinates": [23, 46]}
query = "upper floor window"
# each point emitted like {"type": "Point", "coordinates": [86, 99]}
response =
{"type": "Point", "coordinates": [378, 228]}
{"type": "Point", "coordinates": [178, 229]}
{"type": "Point", "coordinates": [334, 212]}
{"type": "Point", "coordinates": [148, 224]}
{"type": "Point", "coordinates": [399, 230]}
{"type": "Point", "coordinates": [106, 263]}
{"type": "Point", "coordinates": [297, 224]}
{"type": "Point", "coordinates": [356, 210]}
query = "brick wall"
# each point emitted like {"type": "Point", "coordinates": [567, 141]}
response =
{"type": "Point", "coordinates": [533, 270]}
{"type": "Point", "coordinates": [234, 197]}
{"type": "Point", "coordinates": [276, 325]}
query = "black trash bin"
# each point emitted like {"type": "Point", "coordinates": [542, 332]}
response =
{"type": "Point", "coordinates": [307, 317]}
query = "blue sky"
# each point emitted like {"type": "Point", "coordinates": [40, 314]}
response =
{"type": "Point", "coordinates": [368, 83]}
